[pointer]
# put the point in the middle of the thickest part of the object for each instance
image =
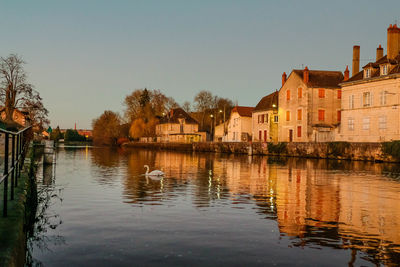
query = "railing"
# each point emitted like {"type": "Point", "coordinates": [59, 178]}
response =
{"type": "Point", "coordinates": [19, 145]}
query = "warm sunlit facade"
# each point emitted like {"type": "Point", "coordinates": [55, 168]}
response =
{"type": "Point", "coordinates": [265, 119]}
{"type": "Point", "coordinates": [240, 124]}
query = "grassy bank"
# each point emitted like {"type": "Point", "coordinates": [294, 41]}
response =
{"type": "Point", "coordinates": [21, 213]}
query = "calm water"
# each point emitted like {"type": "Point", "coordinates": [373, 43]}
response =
{"type": "Point", "coordinates": [214, 210]}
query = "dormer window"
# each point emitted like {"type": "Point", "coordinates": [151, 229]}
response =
{"type": "Point", "coordinates": [367, 73]}
{"type": "Point", "coordinates": [384, 69]}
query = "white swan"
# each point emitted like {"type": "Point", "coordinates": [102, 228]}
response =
{"type": "Point", "coordinates": [153, 173]}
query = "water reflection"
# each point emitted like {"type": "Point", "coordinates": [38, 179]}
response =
{"type": "Point", "coordinates": [315, 203]}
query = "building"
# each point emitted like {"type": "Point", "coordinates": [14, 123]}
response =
{"type": "Point", "coordinates": [178, 126]}
{"type": "Point", "coordinates": [19, 116]}
{"type": "Point", "coordinates": [309, 105]}
{"type": "Point", "coordinates": [371, 97]}
{"type": "Point", "coordinates": [265, 119]}
{"type": "Point", "coordinates": [220, 131]}
{"type": "Point", "coordinates": [239, 125]}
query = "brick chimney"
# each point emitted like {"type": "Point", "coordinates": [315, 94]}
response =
{"type": "Point", "coordinates": [306, 75]}
{"type": "Point", "coordinates": [379, 53]}
{"type": "Point", "coordinates": [346, 74]}
{"type": "Point", "coordinates": [283, 78]}
{"type": "Point", "coordinates": [356, 60]}
{"type": "Point", "coordinates": [393, 41]}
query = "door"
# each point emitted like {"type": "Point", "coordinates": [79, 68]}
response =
{"type": "Point", "coordinates": [290, 135]}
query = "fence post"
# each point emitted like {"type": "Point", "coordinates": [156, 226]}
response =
{"type": "Point", "coordinates": [12, 165]}
{"type": "Point", "coordinates": [17, 161]}
{"type": "Point", "coordinates": [5, 173]}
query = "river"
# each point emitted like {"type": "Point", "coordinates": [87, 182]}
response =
{"type": "Point", "coordinates": [97, 209]}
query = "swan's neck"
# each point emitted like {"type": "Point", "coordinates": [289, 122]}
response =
{"type": "Point", "coordinates": [147, 169]}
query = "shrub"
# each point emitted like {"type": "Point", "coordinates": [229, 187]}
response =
{"type": "Point", "coordinates": [279, 148]}
{"type": "Point", "coordinates": [337, 148]}
{"type": "Point", "coordinates": [392, 148]}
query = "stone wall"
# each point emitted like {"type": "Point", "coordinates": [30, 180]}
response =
{"type": "Point", "coordinates": [330, 150]}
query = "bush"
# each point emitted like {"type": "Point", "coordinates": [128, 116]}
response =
{"type": "Point", "coordinates": [392, 148]}
{"type": "Point", "coordinates": [73, 135]}
{"type": "Point", "coordinates": [337, 148]}
{"type": "Point", "coordinates": [279, 148]}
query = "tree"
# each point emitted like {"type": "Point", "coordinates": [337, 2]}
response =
{"type": "Point", "coordinates": [56, 134]}
{"type": "Point", "coordinates": [17, 93]}
{"type": "Point", "coordinates": [73, 135]}
{"type": "Point", "coordinates": [187, 106]}
{"type": "Point", "coordinates": [203, 101]}
{"type": "Point", "coordinates": [106, 128]}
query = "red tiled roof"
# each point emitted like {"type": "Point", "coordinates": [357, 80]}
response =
{"type": "Point", "coordinates": [267, 101]}
{"type": "Point", "coordinates": [322, 78]}
{"type": "Point", "coordinates": [243, 111]}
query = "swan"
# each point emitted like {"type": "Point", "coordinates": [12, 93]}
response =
{"type": "Point", "coordinates": [153, 173]}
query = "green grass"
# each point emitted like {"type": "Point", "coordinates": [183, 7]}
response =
{"type": "Point", "coordinates": [11, 227]}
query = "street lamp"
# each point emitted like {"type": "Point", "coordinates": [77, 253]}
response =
{"type": "Point", "coordinates": [212, 121]}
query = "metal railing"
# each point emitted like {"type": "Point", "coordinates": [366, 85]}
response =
{"type": "Point", "coordinates": [13, 160]}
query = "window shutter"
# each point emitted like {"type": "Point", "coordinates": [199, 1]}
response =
{"type": "Point", "coordinates": [371, 95]}
{"type": "Point", "coordinates": [361, 98]}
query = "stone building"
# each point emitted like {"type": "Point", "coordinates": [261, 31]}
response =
{"type": "Point", "coordinates": [371, 97]}
{"type": "Point", "coordinates": [178, 126]}
{"type": "Point", "coordinates": [309, 105]}
{"type": "Point", "coordinates": [265, 119]}
{"type": "Point", "coordinates": [239, 125]}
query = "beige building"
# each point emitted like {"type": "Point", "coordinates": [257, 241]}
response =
{"type": "Point", "coordinates": [220, 132]}
{"type": "Point", "coordinates": [178, 126]}
{"type": "Point", "coordinates": [239, 125]}
{"type": "Point", "coordinates": [265, 119]}
{"type": "Point", "coordinates": [309, 105]}
{"type": "Point", "coordinates": [371, 97]}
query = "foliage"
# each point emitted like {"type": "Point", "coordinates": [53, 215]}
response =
{"type": "Point", "coordinates": [279, 148]}
{"type": "Point", "coordinates": [337, 148]}
{"type": "Point", "coordinates": [140, 128]}
{"type": "Point", "coordinates": [56, 134]}
{"type": "Point", "coordinates": [107, 128]}
{"type": "Point", "coordinates": [17, 93]}
{"type": "Point", "coordinates": [392, 148]}
{"type": "Point", "coordinates": [73, 135]}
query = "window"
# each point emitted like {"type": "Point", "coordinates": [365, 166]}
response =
{"type": "Point", "coordinates": [367, 73]}
{"type": "Point", "coordinates": [321, 115]}
{"type": "Point", "coordinates": [339, 115]}
{"type": "Point", "coordinates": [366, 99]}
{"type": "Point", "coordinates": [384, 69]}
{"type": "Point", "coordinates": [298, 131]}
{"type": "Point", "coordinates": [351, 101]}
{"type": "Point", "coordinates": [266, 118]}
{"type": "Point", "coordinates": [276, 118]}
{"type": "Point", "coordinates": [382, 122]}
{"type": "Point", "coordinates": [339, 94]}
{"type": "Point", "coordinates": [366, 123]}
{"type": "Point", "coordinates": [321, 93]}
{"type": "Point", "coordinates": [287, 95]}
{"type": "Point", "coordinates": [351, 124]}
{"type": "Point", "coordinates": [259, 135]}
{"type": "Point", "coordinates": [288, 115]}
{"type": "Point", "coordinates": [383, 98]}
{"type": "Point", "coordinates": [265, 135]}
{"type": "Point", "coordinates": [299, 114]}
{"type": "Point", "coordinates": [299, 92]}
{"type": "Point", "coordinates": [262, 118]}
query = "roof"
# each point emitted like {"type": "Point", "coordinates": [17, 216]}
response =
{"type": "Point", "coordinates": [375, 68]}
{"type": "Point", "coordinates": [267, 101]}
{"type": "Point", "coordinates": [322, 78]}
{"type": "Point", "coordinates": [243, 111]}
{"type": "Point", "coordinates": [175, 115]}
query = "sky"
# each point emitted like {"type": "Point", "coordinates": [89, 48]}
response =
{"type": "Point", "coordinates": [84, 57]}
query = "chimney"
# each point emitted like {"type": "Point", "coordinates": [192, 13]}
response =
{"type": "Point", "coordinates": [283, 78]}
{"type": "Point", "coordinates": [346, 74]}
{"type": "Point", "coordinates": [393, 41]}
{"type": "Point", "coordinates": [356, 60]}
{"type": "Point", "coordinates": [379, 53]}
{"type": "Point", "coordinates": [306, 75]}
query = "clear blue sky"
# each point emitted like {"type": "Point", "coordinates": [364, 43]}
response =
{"type": "Point", "coordinates": [85, 56]}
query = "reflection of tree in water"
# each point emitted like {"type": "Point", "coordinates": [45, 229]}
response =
{"type": "Point", "coordinates": [46, 220]}
{"type": "Point", "coordinates": [106, 164]}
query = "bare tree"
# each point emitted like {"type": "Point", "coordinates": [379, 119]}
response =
{"type": "Point", "coordinates": [204, 101]}
{"type": "Point", "coordinates": [16, 93]}
{"type": "Point", "coordinates": [187, 106]}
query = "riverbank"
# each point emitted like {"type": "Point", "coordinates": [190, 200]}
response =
{"type": "Point", "coordinates": [21, 213]}
{"type": "Point", "coordinates": [330, 150]}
